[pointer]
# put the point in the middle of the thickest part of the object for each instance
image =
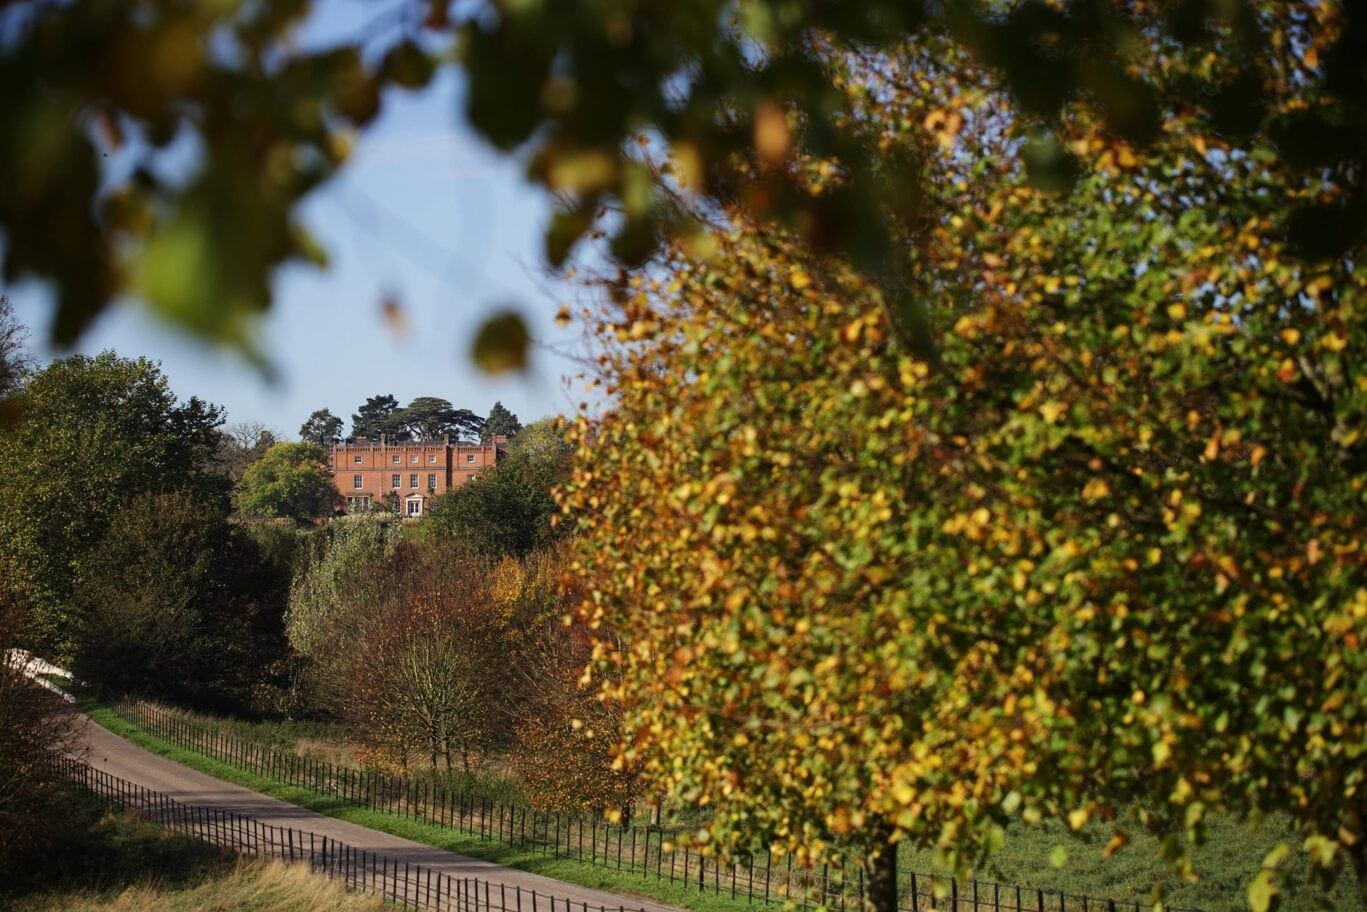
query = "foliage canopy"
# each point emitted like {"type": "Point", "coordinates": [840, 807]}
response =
{"type": "Point", "coordinates": [1105, 561]}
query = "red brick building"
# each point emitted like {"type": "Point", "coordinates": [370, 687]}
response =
{"type": "Point", "coordinates": [416, 470]}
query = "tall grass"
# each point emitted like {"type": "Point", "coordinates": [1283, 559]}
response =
{"type": "Point", "coordinates": [116, 862]}
{"type": "Point", "coordinates": [248, 886]}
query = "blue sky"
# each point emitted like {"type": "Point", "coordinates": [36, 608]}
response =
{"type": "Point", "coordinates": [425, 212]}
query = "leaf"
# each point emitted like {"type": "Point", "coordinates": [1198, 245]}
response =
{"type": "Point", "coordinates": [1262, 891]}
{"type": "Point", "coordinates": [1322, 850]}
{"type": "Point", "coordinates": [501, 344]}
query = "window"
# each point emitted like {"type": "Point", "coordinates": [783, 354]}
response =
{"type": "Point", "coordinates": [414, 460]}
{"type": "Point", "coordinates": [396, 459]}
{"type": "Point", "coordinates": [431, 482]}
{"type": "Point", "coordinates": [470, 458]}
{"type": "Point", "coordinates": [431, 460]}
{"type": "Point", "coordinates": [358, 481]}
{"type": "Point", "coordinates": [357, 458]}
{"type": "Point", "coordinates": [413, 481]}
{"type": "Point", "coordinates": [393, 481]}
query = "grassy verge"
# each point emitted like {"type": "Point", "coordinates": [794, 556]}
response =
{"type": "Point", "coordinates": [1226, 863]}
{"type": "Point", "coordinates": [118, 863]}
{"type": "Point", "coordinates": [331, 742]}
{"type": "Point", "coordinates": [620, 882]}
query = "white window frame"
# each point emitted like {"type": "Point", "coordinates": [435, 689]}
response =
{"type": "Point", "coordinates": [413, 481]}
{"type": "Point", "coordinates": [414, 508]}
{"type": "Point", "coordinates": [432, 459]}
{"type": "Point", "coordinates": [469, 458]}
{"type": "Point", "coordinates": [358, 458]}
{"type": "Point", "coordinates": [358, 482]}
{"type": "Point", "coordinates": [396, 481]}
{"type": "Point", "coordinates": [396, 459]}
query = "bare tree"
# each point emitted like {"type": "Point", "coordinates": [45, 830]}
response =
{"type": "Point", "coordinates": [13, 351]}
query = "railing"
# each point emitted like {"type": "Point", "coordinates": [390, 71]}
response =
{"type": "Point", "coordinates": [412, 886]}
{"type": "Point", "coordinates": [642, 850]}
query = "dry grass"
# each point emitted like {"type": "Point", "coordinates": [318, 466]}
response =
{"type": "Point", "coordinates": [248, 886]}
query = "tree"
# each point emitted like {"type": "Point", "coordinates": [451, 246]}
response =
{"type": "Point", "coordinates": [12, 360]}
{"type": "Point", "coordinates": [377, 416]}
{"type": "Point", "coordinates": [322, 428]}
{"type": "Point", "coordinates": [240, 444]}
{"type": "Point", "coordinates": [500, 421]}
{"type": "Point", "coordinates": [336, 581]}
{"type": "Point", "coordinates": [760, 90]}
{"type": "Point", "coordinates": [508, 509]}
{"type": "Point", "coordinates": [430, 418]}
{"type": "Point", "coordinates": [1080, 569]}
{"type": "Point", "coordinates": [91, 434]}
{"type": "Point", "coordinates": [176, 604]}
{"type": "Point", "coordinates": [33, 724]}
{"type": "Point", "coordinates": [291, 480]}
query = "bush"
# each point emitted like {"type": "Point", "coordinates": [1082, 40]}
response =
{"type": "Point", "coordinates": [33, 723]}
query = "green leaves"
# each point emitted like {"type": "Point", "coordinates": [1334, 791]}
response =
{"type": "Point", "coordinates": [501, 344]}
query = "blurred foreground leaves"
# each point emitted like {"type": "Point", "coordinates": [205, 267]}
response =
{"type": "Point", "coordinates": [162, 148]}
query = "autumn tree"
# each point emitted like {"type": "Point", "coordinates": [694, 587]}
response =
{"type": "Point", "coordinates": [564, 737]}
{"type": "Point", "coordinates": [322, 429]}
{"type": "Point", "coordinates": [1095, 555]}
{"type": "Point", "coordinates": [92, 433]}
{"type": "Point", "coordinates": [291, 481]}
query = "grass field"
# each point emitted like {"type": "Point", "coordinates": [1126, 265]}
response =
{"type": "Point", "coordinates": [1226, 862]}
{"type": "Point", "coordinates": [117, 863]}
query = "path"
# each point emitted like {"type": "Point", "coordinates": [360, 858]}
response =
{"type": "Point", "coordinates": [111, 754]}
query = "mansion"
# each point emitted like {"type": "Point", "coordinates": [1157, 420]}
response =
{"type": "Point", "coordinates": [415, 471]}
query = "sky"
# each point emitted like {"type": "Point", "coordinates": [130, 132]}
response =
{"type": "Point", "coordinates": [424, 212]}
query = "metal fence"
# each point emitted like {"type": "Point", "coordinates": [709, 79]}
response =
{"type": "Point", "coordinates": [647, 851]}
{"type": "Point", "coordinates": [412, 886]}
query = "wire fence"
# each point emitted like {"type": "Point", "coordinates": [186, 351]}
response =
{"type": "Point", "coordinates": [649, 851]}
{"type": "Point", "coordinates": [412, 886]}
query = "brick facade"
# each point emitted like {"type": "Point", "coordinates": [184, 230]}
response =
{"type": "Point", "coordinates": [365, 471]}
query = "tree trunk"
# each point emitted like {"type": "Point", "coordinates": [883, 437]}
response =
{"type": "Point", "coordinates": [880, 879]}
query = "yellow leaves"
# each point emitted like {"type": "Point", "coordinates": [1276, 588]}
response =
{"type": "Point", "coordinates": [970, 525]}
{"type": "Point", "coordinates": [1053, 411]}
{"type": "Point", "coordinates": [944, 124]}
{"type": "Point", "coordinates": [1291, 335]}
{"type": "Point", "coordinates": [1333, 342]}
{"type": "Point", "coordinates": [798, 278]}
{"type": "Point", "coordinates": [581, 172]}
{"type": "Point", "coordinates": [1117, 842]}
{"type": "Point", "coordinates": [1178, 311]}
{"type": "Point", "coordinates": [1096, 489]}
{"type": "Point", "coordinates": [1078, 817]}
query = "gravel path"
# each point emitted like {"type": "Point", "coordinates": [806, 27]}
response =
{"type": "Point", "coordinates": [117, 757]}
